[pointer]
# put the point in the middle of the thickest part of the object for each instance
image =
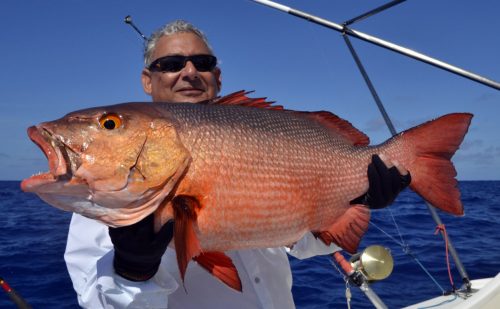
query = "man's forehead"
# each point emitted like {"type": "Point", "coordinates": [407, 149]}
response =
{"type": "Point", "coordinates": [182, 43]}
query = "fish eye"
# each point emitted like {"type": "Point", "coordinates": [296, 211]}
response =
{"type": "Point", "coordinates": [110, 121]}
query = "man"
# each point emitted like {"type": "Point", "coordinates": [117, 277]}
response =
{"type": "Point", "coordinates": [131, 267]}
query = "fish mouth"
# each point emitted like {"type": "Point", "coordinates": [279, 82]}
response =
{"type": "Point", "coordinates": [63, 160]}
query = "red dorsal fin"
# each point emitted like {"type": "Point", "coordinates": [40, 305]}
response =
{"type": "Point", "coordinates": [220, 266]}
{"type": "Point", "coordinates": [240, 98]}
{"type": "Point", "coordinates": [338, 125]}
{"type": "Point", "coordinates": [327, 119]}
{"type": "Point", "coordinates": [186, 242]}
{"type": "Point", "coordinates": [347, 231]}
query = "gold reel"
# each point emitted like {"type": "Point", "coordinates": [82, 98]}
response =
{"type": "Point", "coordinates": [375, 262]}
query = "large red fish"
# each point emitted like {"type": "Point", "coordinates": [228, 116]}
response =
{"type": "Point", "coordinates": [234, 173]}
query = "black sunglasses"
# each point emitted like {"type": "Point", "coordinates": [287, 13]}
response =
{"type": "Point", "coordinates": [202, 63]}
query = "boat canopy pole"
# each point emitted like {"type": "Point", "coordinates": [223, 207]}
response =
{"type": "Point", "coordinates": [372, 12]}
{"type": "Point", "coordinates": [368, 82]}
{"type": "Point", "coordinates": [346, 31]}
{"type": "Point", "coordinates": [382, 43]}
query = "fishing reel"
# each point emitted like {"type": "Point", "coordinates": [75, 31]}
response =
{"type": "Point", "coordinates": [375, 263]}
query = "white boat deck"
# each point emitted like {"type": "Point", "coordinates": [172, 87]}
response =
{"type": "Point", "coordinates": [486, 295]}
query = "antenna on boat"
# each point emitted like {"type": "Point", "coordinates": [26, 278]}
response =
{"type": "Point", "coordinates": [128, 20]}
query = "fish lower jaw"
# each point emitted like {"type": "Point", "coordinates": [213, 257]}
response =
{"type": "Point", "coordinates": [37, 180]}
{"type": "Point", "coordinates": [44, 181]}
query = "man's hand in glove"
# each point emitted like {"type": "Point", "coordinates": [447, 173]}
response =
{"type": "Point", "coordinates": [385, 182]}
{"type": "Point", "coordinates": [138, 249]}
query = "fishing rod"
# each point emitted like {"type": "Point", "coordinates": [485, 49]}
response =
{"type": "Point", "coordinates": [14, 296]}
{"type": "Point", "coordinates": [382, 43]}
{"type": "Point", "coordinates": [128, 21]}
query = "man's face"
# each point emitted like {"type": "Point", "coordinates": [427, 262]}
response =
{"type": "Point", "coordinates": [187, 85]}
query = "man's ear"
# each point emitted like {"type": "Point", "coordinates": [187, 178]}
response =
{"type": "Point", "coordinates": [218, 78]}
{"type": "Point", "coordinates": [146, 81]}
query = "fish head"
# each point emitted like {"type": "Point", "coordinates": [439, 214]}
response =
{"type": "Point", "coordinates": [116, 164]}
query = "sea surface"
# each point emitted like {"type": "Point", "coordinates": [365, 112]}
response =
{"type": "Point", "coordinates": [33, 237]}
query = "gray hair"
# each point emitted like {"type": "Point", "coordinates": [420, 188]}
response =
{"type": "Point", "coordinates": [176, 26]}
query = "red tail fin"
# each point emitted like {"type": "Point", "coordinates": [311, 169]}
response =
{"type": "Point", "coordinates": [433, 174]}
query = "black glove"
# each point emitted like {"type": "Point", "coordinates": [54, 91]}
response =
{"type": "Point", "coordinates": [384, 185]}
{"type": "Point", "coordinates": [138, 249]}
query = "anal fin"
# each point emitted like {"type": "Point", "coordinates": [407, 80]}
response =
{"type": "Point", "coordinates": [220, 266]}
{"type": "Point", "coordinates": [348, 230]}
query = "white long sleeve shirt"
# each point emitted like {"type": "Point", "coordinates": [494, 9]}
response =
{"type": "Point", "coordinates": [265, 275]}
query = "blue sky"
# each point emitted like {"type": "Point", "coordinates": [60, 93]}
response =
{"type": "Point", "coordinates": [61, 55]}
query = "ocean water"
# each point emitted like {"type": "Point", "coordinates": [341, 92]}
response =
{"type": "Point", "coordinates": [33, 237]}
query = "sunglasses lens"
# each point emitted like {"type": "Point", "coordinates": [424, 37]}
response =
{"type": "Point", "coordinates": [202, 63]}
{"type": "Point", "coordinates": [168, 64]}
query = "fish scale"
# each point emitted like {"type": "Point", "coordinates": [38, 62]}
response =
{"type": "Point", "coordinates": [303, 161]}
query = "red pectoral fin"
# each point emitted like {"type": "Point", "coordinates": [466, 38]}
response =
{"type": "Point", "coordinates": [187, 245]}
{"type": "Point", "coordinates": [221, 266]}
{"type": "Point", "coordinates": [186, 242]}
{"type": "Point", "coordinates": [347, 231]}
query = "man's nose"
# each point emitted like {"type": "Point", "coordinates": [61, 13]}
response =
{"type": "Point", "coordinates": [189, 71]}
